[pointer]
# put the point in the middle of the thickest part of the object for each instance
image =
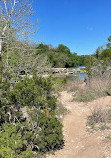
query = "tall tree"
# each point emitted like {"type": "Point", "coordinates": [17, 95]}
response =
{"type": "Point", "coordinates": [109, 42]}
{"type": "Point", "coordinates": [63, 49]}
{"type": "Point", "coordinates": [15, 18]}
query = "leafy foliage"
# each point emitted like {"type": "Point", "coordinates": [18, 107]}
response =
{"type": "Point", "coordinates": [12, 142]}
{"type": "Point", "coordinates": [99, 64]}
{"type": "Point", "coordinates": [61, 56]}
{"type": "Point", "coordinates": [33, 92]}
{"type": "Point", "coordinates": [28, 122]}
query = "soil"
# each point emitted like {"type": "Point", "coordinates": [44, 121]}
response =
{"type": "Point", "coordinates": [79, 143]}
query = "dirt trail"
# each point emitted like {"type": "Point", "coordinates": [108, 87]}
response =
{"type": "Point", "coordinates": [78, 142]}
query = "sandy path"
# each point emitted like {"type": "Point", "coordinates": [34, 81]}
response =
{"type": "Point", "coordinates": [78, 142]}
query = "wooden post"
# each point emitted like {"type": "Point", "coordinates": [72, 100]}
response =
{"type": "Point", "coordinates": [47, 113]}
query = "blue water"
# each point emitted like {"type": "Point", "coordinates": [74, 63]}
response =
{"type": "Point", "coordinates": [81, 76]}
{"type": "Point", "coordinates": [83, 66]}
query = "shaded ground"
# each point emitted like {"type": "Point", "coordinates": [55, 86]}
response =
{"type": "Point", "coordinates": [79, 143]}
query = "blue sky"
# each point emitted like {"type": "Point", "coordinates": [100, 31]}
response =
{"type": "Point", "coordinates": [81, 25]}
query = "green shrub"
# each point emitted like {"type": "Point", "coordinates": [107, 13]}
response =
{"type": "Point", "coordinates": [48, 134]}
{"type": "Point", "coordinates": [21, 134]}
{"type": "Point", "coordinates": [50, 137]}
{"type": "Point", "coordinates": [59, 82]}
{"type": "Point", "coordinates": [33, 92]}
{"type": "Point", "coordinates": [12, 142]}
{"type": "Point", "coordinates": [28, 154]}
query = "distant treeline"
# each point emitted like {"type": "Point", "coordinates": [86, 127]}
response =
{"type": "Point", "coordinates": [61, 56]}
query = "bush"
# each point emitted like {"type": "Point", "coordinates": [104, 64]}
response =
{"type": "Point", "coordinates": [29, 122]}
{"type": "Point", "coordinates": [12, 142]}
{"type": "Point", "coordinates": [47, 135]}
{"type": "Point", "coordinates": [32, 92]}
{"type": "Point", "coordinates": [50, 136]}
{"type": "Point", "coordinates": [59, 82]}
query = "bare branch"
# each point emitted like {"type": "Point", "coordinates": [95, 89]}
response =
{"type": "Point", "coordinates": [6, 7]}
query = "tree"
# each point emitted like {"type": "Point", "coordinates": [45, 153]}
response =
{"type": "Point", "coordinates": [15, 28]}
{"type": "Point", "coordinates": [98, 52]}
{"type": "Point", "coordinates": [106, 54]}
{"type": "Point", "coordinates": [109, 42]}
{"type": "Point", "coordinates": [63, 49]}
{"type": "Point", "coordinates": [109, 38]}
{"type": "Point", "coordinates": [15, 18]}
{"type": "Point", "coordinates": [43, 48]}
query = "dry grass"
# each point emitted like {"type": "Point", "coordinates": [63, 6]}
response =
{"type": "Point", "coordinates": [99, 83]}
{"type": "Point", "coordinates": [100, 118]}
{"type": "Point", "coordinates": [74, 85]}
{"type": "Point", "coordinates": [94, 88]}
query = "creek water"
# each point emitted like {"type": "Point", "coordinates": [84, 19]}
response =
{"type": "Point", "coordinates": [72, 76]}
{"type": "Point", "coordinates": [83, 66]}
{"type": "Point", "coordinates": [80, 75]}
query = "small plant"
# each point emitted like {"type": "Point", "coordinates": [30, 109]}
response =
{"type": "Point", "coordinates": [61, 111]}
{"type": "Point", "coordinates": [108, 91]}
{"type": "Point", "coordinates": [100, 118]}
{"type": "Point", "coordinates": [59, 82]}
